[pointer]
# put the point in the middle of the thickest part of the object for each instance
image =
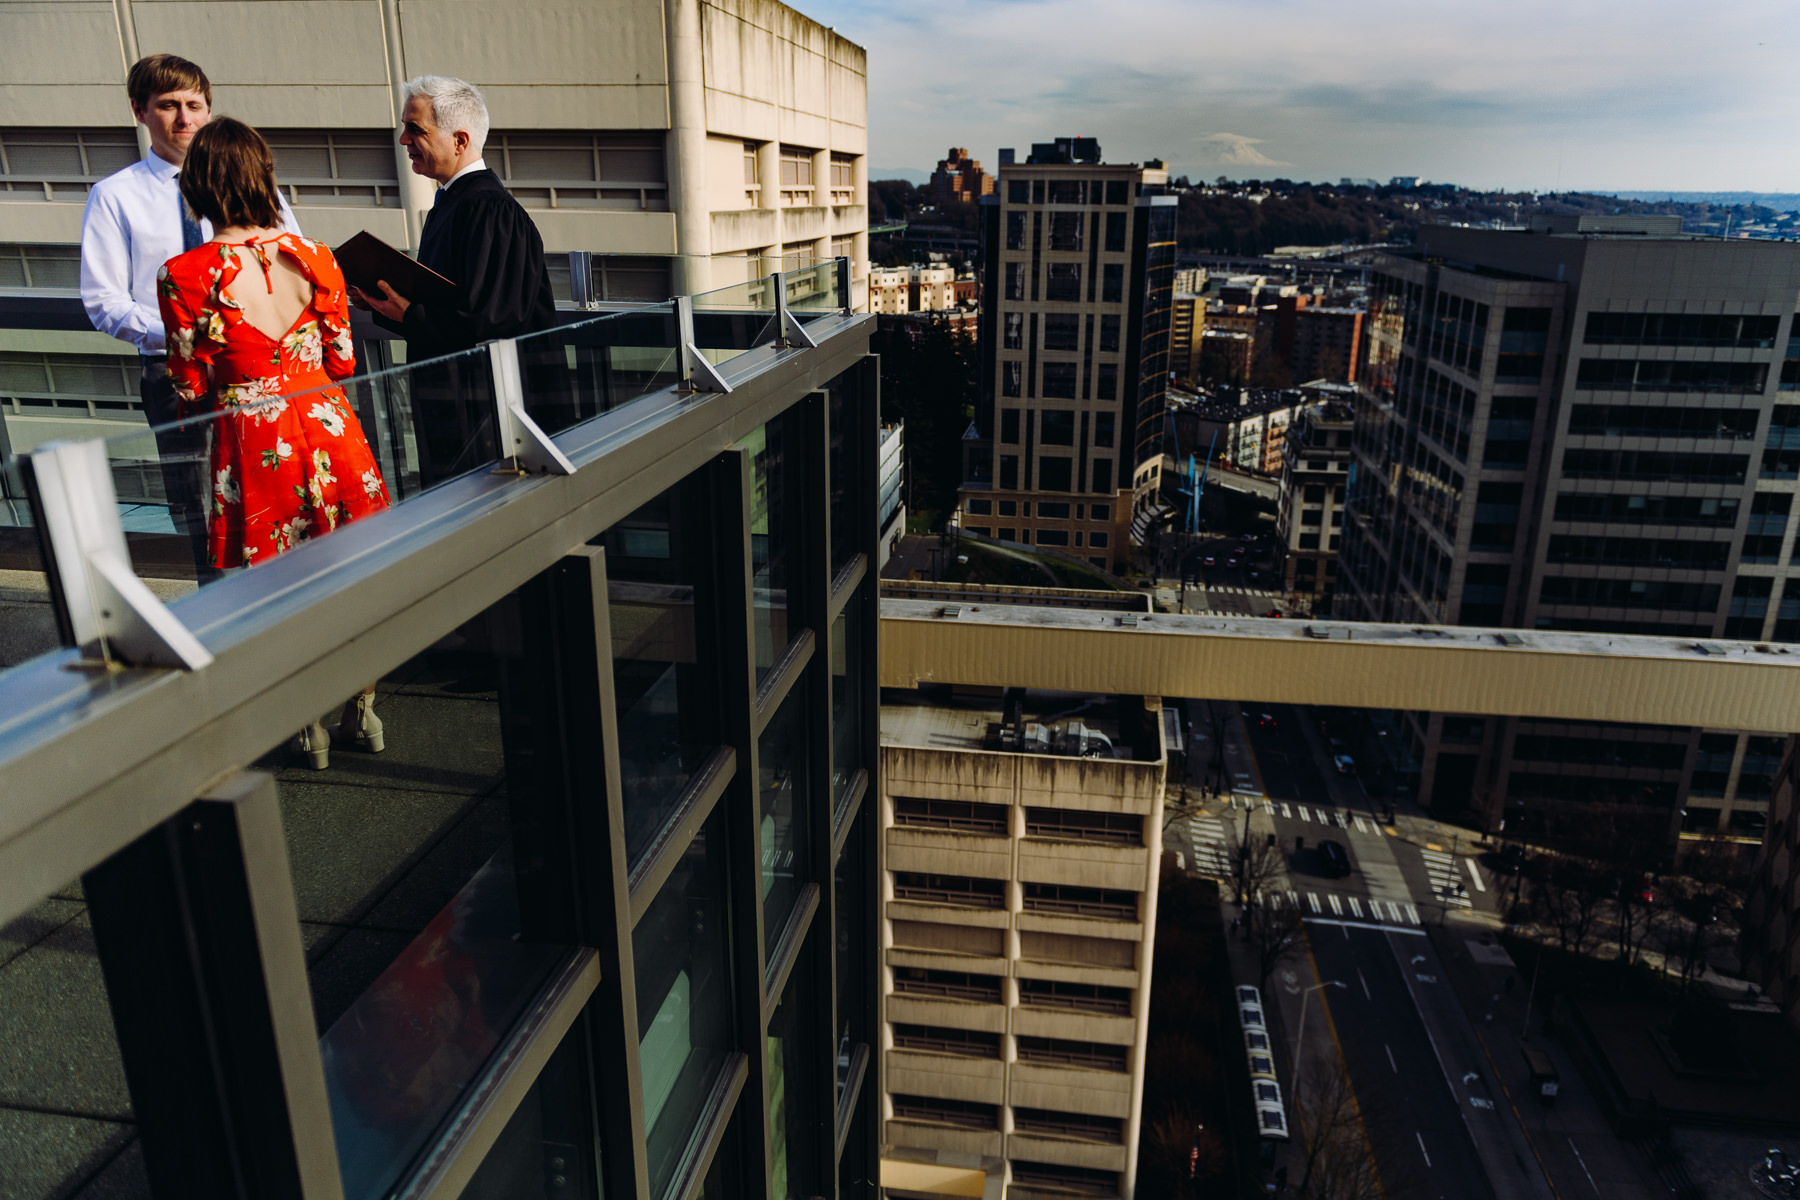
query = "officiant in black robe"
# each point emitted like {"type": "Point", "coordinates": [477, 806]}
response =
{"type": "Point", "coordinates": [482, 240]}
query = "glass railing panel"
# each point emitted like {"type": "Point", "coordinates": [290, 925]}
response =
{"type": "Point", "coordinates": [27, 617]}
{"type": "Point", "coordinates": [589, 367]}
{"type": "Point", "coordinates": [814, 288]}
{"type": "Point", "coordinates": [239, 485]}
{"type": "Point", "coordinates": [737, 317]}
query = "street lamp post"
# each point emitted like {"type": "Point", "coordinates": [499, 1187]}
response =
{"type": "Point", "coordinates": [1305, 994]}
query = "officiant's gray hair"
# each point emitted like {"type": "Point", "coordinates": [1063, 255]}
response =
{"type": "Point", "coordinates": [456, 104]}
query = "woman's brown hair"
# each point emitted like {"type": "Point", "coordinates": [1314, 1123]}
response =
{"type": "Point", "coordinates": [228, 176]}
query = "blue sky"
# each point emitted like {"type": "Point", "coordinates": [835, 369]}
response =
{"type": "Point", "coordinates": [1530, 94]}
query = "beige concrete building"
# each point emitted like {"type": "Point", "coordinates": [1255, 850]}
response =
{"type": "Point", "coordinates": [890, 290]}
{"type": "Point", "coordinates": [1771, 945]}
{"type": "Point", "coordinates": [692, 143]}
{"type": "Point", "coordinates": [1020, 905]}
{"type": "Point", "coordinates": [933, 289]}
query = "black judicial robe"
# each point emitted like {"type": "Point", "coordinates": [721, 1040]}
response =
{"type": "Point", "coordinates": [484, 242]}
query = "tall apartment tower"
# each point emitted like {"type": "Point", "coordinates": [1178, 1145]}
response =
{"type": "Point", "coordinates": [1587, 426]}
{"type": "Point", "coordinates": [1080, 257]}
{"type": "Point", "coordinates": [1023, 842]}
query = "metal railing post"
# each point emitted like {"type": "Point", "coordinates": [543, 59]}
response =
{"type": "Point", "coordinates": [697, 371]}
{"type": "Point", "coordinates": [581, 279]}
{"type": "Point", "coordinates": [521, 440]}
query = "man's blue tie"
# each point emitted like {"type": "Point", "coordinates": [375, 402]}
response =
{"type": "Point", "coordinates": [190, 228]}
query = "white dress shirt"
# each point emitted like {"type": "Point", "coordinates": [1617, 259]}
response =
{"type": "Point", "coordinates": [132, 226]}
{"type": "Point", "coordinates": [480, 164]}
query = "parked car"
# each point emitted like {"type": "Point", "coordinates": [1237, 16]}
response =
{"type": "Point", "coordinates": [1344, 763]}
{"type": "Point", "coordinates": [1266, 719]}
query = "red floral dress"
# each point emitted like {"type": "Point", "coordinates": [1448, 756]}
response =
{"type": "Point", "coordinates": [289, 459]}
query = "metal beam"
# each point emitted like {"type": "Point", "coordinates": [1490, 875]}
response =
{"type": "Point", "coordinates": [1452, 669]}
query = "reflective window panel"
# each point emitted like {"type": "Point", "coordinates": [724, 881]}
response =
{"type": "Point", "coordinates": [662, 602]}
{"type": "Point", "coordinates": [846, 700]}
{"type": "Point", "coordinates": [549, 1149]}
{"type": "Point", "coordinates": [683, 996]}
{"type": "Point", "coordinates": [793, 1098]}
{"type": "Point", "coordinates": [775, 532]}
{"type": "Point", "coordinates": [782, 788]}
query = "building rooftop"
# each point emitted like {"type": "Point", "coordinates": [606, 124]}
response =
{"type": "Point", "coordinates": [936, 719]}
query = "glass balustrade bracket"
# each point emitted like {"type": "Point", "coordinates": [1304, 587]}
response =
{"type": "Point", "coordinates": [100, 604]}
{"type": "Point", "coordinates": [697, 371]}
{"type": "Point", "coordinates": [523, 443]}
{"type": "Point", "coordinates": [793, 333]}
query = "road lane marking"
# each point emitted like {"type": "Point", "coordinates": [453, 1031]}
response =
{"type": "Point", "coordinates": [1349, 924]}
{"type": "Point", "coordinates": [1412, 914]}
{"type": "Point", "coordinates": [1360, 827]}
{"type": "Point", "coordinates": [1475, 875]}
{"type": "Point", "coordinates": [1584, 1170]}
{"type": "Point", "coordinates": [1337, 910]}
{"type": "Point", "coordinates": [1313, 899]}
{"type": "Point", "coordinates": [1355, 905]}
{"type": "Point", "coordinates": [1304, 815]}
{"type": "Point", "coordinates": [1285, 811]}
{"type": "Point", "coordinates": [1422, 1150]}
{"type": "Point", "coordinates": [1391, 1061]}
{"type": "Point", "coordinates": [1365, 983]}
{"type": "Point", "coordinates": [1293, 898]}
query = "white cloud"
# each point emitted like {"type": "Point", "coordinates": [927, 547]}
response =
{"type": "Point", "coordinates": [1536, 93]}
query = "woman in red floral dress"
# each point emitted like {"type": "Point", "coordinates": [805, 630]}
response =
{"type": "Point", "coordinates": [259, 333]}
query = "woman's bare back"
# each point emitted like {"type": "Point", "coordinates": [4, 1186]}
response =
{"type": "Point", "coordinates": [271, 290]}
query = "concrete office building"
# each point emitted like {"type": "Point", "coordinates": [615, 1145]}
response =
{"type": "Point", "coordinates": [1019, 907]}
{"type": "Point", "coordinates": [1187, 326]}
{"type": "Point", "coordinates": [959, 178]}
{"type": "Point", "coordinates": [1074, 351]}
{"type": "Point", "coordinates": [1309, 521]}
{"type": "Point", "coordinates": [689, 145]}
{"type": "Point", "coordinates": [1584, 426]}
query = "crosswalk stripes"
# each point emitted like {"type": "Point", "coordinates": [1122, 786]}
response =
{"type": "Point", "coordinates": [1441, 869]}
{"type": "Point", "coordinates": [1212, 853]}
{"type": "Point", "coordinates": [1387, 912]}
{"type": "Point", "coordinates": [1360, 826]}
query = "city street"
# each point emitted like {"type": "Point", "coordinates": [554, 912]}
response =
{"type": "Point", "coordinates": [1439, 1096]}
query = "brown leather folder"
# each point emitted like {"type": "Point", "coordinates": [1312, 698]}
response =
{"type": "Point", "coordinates": [365, 259]}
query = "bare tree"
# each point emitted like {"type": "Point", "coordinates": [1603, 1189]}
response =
{"type": "Point", "coordinates": [1336, 1162]}
{"type": "Point", "coordinates": [1275, 932]}
{"type": "Point", "coordinates": [1256, 867]}
{"type": "Point", "coordinates": [1568, 900]}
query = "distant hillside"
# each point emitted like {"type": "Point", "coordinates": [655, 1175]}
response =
{"type": "Point", "coordinates": [1777, 201]}
{"type": "Point", "coordinates": [907, 173]}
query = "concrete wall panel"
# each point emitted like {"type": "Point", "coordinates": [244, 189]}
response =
{"type": "Point", "coordinates": [31, 221]}
{"type": "Point", "coordinates": [605, 232]}
{"type": "Point", "coordinates": [567, 43]}
{"type": "Point", "coordinates": [62, 46]}
{"type": "Point", "coordinates": [269, 42]}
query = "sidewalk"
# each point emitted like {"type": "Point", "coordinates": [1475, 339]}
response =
{"type": "Point", "coordinates": [1571, 1140]}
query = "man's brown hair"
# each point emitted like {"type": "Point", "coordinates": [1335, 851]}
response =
{"type": "Point", "coordinates": [229, 176]}
{"type": "Point", "coordinates": [155, 74]}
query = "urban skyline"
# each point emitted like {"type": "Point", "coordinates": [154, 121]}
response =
{"type": "Point", "coordinates": [1313, 91]}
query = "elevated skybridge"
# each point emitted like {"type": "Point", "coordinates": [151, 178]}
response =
{"type": "Point", "coordinates": [1456, 669]}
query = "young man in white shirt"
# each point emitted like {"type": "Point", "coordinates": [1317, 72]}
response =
{"type": "Point", "coordinates": [136, 221]}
